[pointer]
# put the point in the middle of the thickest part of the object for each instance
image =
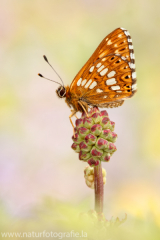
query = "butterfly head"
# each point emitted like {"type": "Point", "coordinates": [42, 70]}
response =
{"type": "Point", "coordinates": [61, 92]}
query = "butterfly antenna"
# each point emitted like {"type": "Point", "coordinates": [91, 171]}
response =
{"type": "Point", "coordinates": [45, 58]}
{"type": "Point", "coordinates": [48, 78]}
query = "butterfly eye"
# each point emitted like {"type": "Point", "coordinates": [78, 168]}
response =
{"type": "Point", "coordinates": [62, 92]}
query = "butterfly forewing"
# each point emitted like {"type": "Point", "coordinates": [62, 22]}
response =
{"type": "Point", "coordinates": [109, 75]}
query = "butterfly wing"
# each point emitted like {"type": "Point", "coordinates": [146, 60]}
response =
{"type": "Point", "coordinates": [109, 75]}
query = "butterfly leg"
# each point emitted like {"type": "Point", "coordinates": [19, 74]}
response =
{"type": "Point", "coordinates": [83, 108]}
{"type": "Point", "coordinates": [72, 114]}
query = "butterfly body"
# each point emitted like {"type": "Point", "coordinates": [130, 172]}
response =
{"type": "Point", "coordinates": [72, 99]}
{"type": "Point", "coordinates": [108, 77]}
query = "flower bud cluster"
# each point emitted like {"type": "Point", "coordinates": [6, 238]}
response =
{"type": "Point", "coordinates": [89, 176]}
{"type": "Point", "coordinates": [94, 137]}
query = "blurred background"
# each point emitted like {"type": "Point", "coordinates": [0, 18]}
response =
{"type": "Point", "coordinates": [37, 164]}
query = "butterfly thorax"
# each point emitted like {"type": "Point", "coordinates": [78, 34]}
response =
{"type": "Point", "coordinates": [74, 100]}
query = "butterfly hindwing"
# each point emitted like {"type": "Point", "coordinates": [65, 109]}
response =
{"type": "Point", "coordinates": [109, 75]}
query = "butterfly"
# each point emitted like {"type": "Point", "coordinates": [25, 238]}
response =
{"type": "Point", "coordinates": [108, 77]}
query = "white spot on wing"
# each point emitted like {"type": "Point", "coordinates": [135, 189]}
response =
{"type": "Point", "coordinates": [106, 39]}
{"type": "Point", "coordinates": [130, 46]}
{"type": "Point", "coordinates": [99, 90]}
{"type": "Point", "coordinates": [132, 56]}
{"type": "Point", "coordinates": [91, 69]}
{"type": "Point", "coordinates": [104, 72]}
{"type": "Point", "coordinates": [84, 82]}
{"type": "Point", "coordinates": [133, 75]}
{"type": "Point", "coordinates": [104, 59]}
{"type": "Point", "coordinates": [109, 42]}
{"type": "Point", "coordinates": [132, 65]}
{"type": "Point", "coordinates": [93, 85]}
{"type": "Point", "coordinates": [129, 40]}
{"type": "Point", "coordinates": [79, 82]}
{"type": "Point", "coordinates": [123, 28]}
{"type": "Point", "coordinates": [120, 35]}
{"type": "Point", "coordinates": [123, 58]}
{"type": "Point", "coordinates": [119, 91]}
{"type": "Point", "coordinates": [111, 74]}
{"type": "Point", "coordinates": [98, 65]}
{"type": "Point", "coordinates": [111, 81]}
{"type": "Point", "coordinates": [105, 97]}
{"type": "Point", "coordinates": [126, 33]}
{"type": "Point", "coordinates": [88, 83]}
{"type": "Point", "coordinates": [134, 86]}
{"type": "Point", "coordinates": [115, 87]}
{"type": "Point", "coordinates": [99, 69]}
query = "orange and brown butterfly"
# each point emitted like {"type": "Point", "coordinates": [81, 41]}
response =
{"type": "Point", "coordinates": [108, 77]}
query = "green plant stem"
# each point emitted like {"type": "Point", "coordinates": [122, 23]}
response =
{"type": "Point", "coordinates": [98, 188]}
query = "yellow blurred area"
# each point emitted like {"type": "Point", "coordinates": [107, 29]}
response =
{"type": "Point", "coordinates": [36, 159]}
{"type": "Point", "coordinates": [140, 200]}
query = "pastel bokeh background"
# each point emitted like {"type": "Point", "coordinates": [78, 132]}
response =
{"type": "Point", "coordinates": [35, 133]}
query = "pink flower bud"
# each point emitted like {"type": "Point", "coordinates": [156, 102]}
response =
{"type": "Point", "coordinates": [83, 115]}
{"type": "Point", "coordinates": [83, 132]}
{"type": "Point", "coordinates": [93, 162]}
{"type": "Point", "coordinates": [96, 129]}
{"type": "Point", "coordinates": [79, 123]}
{"type": "Point", "coordinates": [102, 143]}
{"type": "Point", "coordinates": [94, 110]}
{"type": "Point", "coordinates": [104, 113]}
{"type": "Point", "coordinates": [96, 117]}
{"type": "Point", "coordinates": [84, 156]}
{"type": "Point", "coordinates": [77, 138]}
{"type": "Point", "coordinates": [75, 147]}
{"type": "Point", "coordinates": [105, 157]}
{"type": "Point", "coordinates": [112, 125]}
{"type": "Point", "coordinates": [87, 122]}
{"type": "Point", "coordinates": [84, 147]}
{"type": "Point", "coordinates": [106, 134]}
{"type": "Point", "coordinates": [105, 123]}
{"type": "Point", "coordinates": [114, 137]}
{"type": "Point", "coordinates": [112, 148]}
{"type": "Point", "coordinates": [90, 139]}
{"type": "Point", "coordinates": [95, 152]}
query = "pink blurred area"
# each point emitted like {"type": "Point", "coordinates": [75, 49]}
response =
{"type": "Point", "coordinates": [35, 133]}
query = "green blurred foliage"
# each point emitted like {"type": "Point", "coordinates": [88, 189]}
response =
{"type": "Point", "coordinates": [60, 218]}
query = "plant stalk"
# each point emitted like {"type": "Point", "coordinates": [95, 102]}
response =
{"type": "Point", "coordinates": [98, 188]}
